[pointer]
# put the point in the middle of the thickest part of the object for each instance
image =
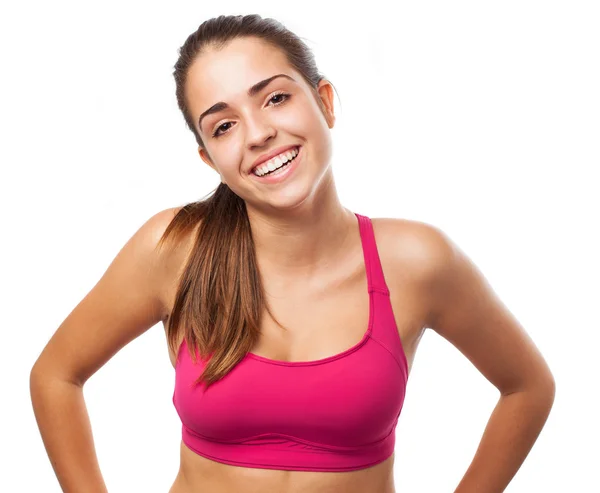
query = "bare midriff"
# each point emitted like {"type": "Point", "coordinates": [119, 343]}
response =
{"type": "Point", "coordinates": [198, 474]}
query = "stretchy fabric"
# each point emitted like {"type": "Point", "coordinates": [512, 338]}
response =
{"type": "Point", "coordinates": [333, 414]}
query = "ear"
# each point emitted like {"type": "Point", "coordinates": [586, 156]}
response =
{"type": "Point", "coordinates": [325, 93]}
{"type": "Point", "coordinates": [207, 159]}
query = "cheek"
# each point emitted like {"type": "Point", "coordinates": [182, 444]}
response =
{"type": "Point", "coordinates": [302, 121]}
{"type": "Point", "coordinates": [230, 159]}
{"type": "Point", "coordinates": [230, 170]}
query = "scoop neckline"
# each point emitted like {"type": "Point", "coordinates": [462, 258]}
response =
{"type": "Point", "coordinates": [327, 359]}
{"type": "Point", "coordinates": [351, 349]}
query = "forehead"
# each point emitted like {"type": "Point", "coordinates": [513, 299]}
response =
{"type": "Point", "coordinates": [227, 73]}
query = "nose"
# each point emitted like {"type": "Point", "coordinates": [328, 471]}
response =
{"type": "Point", "coordinates": [259, 130]}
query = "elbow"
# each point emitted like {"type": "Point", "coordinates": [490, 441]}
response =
{"type": "Point", "coordinates": [543, 390]}
{"type": "Point", "coordinates": [546, 386]}
{"type": "Point", "coordinates": [551, 389]}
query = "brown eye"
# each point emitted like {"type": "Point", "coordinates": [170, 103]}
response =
{"type": "Point", "coordinates": [283, 95]}
{"type": "Point", "coordinates": [216, 133]}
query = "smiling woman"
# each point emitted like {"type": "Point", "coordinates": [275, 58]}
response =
{"type": "Point", "coordinates": [292, 322]}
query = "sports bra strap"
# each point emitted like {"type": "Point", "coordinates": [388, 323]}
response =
{"type": "Point", "coordinates": [375, 278]}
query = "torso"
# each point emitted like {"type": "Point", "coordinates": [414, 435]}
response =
{"type": "Point", "coordinates": [337, 320]}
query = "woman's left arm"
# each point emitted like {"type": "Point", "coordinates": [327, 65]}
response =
{"type": "Point", "coordinates": [465, 310]}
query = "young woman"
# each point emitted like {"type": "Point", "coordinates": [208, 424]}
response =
{"type": "Point", "coordinates": [292, 322]}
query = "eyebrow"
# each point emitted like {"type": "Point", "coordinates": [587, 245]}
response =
{"type": "Point", "coordinates": [253, 91]}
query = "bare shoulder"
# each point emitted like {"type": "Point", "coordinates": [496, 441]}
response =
{"type": "Point", "coordinates": [165, 260]}
{"type": "Point", "coordinates": [125, 302]}
{"type": "Point", "coordinates": [463, 307]}
{"type": "Point", "coordinates": [171, 259]}
{"type": "Point", "coordinates": [412, 254]}
{"type": "Point", "coordinates": [422, 246]}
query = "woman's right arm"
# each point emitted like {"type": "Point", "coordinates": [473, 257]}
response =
{"type": "Point", "coordinates": [126, 301]}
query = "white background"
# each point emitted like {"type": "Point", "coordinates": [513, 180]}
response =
{"type": "Point", "coordinates": [481, 118]}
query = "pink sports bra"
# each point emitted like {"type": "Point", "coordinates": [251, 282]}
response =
{"type": "Point", "coordinates": [333, 414]}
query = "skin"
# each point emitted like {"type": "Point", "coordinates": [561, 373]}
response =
{"type": "Point", "coordinates": [312, 337]}
{"type": "Point", "coordinates": [296, 226]}
{"type": "Point", "coordinates": [309, 254]}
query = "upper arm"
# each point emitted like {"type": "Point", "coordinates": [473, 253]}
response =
{"type": "Point", "coordinates": [465, 310]}
{"type": "Point", "coordinates": [123, 304]}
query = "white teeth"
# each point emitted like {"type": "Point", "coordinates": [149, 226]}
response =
{"type": "Point", "coordinates": [276, 162]}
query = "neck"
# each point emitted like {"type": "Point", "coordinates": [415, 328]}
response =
{"type": "Point", "coordinates": [298, 244]}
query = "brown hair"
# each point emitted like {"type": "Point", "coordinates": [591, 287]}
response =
{"type": "Point", "coordinates": [220, 297]}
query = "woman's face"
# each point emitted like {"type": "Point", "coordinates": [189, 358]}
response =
{"type": "Point", "coordinates": [282, 113]}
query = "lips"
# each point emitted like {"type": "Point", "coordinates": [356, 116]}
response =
{"type": "Point", "coordinates": [283, 174]}
{"type": "Point", "coordinates": [275, 152]}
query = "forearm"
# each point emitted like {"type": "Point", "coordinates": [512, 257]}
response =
{"type": "Point", "coordinates": [508, 437]}
{"type": "Point", "coordinates": [64, 424]}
